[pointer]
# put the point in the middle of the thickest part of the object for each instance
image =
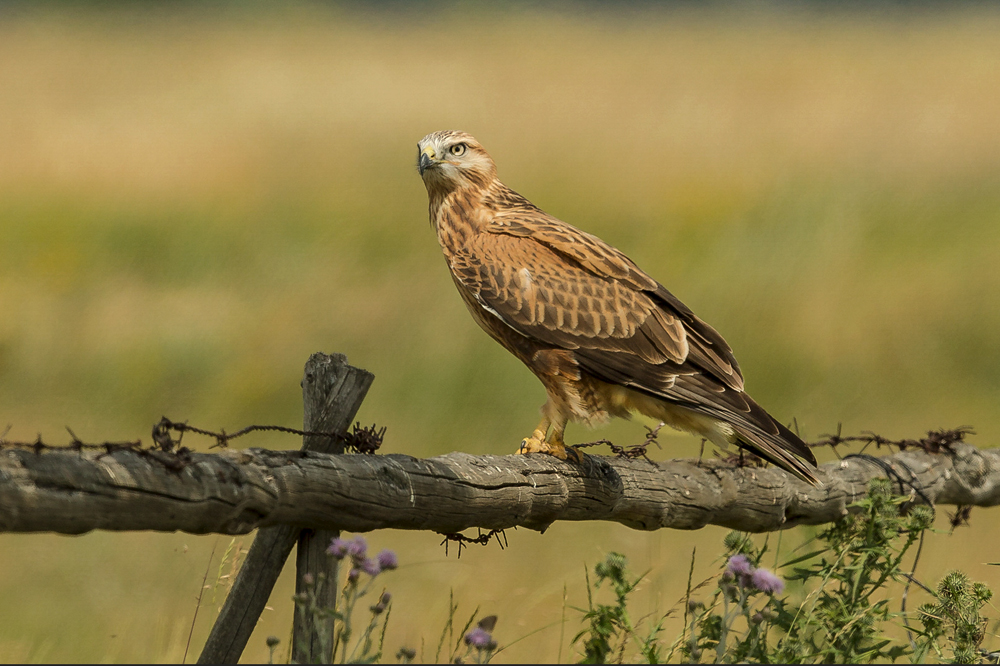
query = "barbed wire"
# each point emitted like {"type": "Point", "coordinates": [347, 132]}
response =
{"type": "Point", "coordinates": [630, 452]}
{"type": "Point", "coordinates": [960, 518]}
{"type": "Point", "coordinates": [75, 444]}
{"type": "Point", "coordinates": [482, 540]}
{"type": "Point", "coordinates": [365, 440]}
{"type": "Point", "coordinates": [934, 442]}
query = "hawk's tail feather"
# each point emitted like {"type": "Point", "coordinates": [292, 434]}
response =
{"type": "Point", "coordinates": [784, 449]}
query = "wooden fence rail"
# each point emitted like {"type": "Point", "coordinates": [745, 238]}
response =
{"type": "Point", "coordinates": [307, 496]}
{"type": "Point", "coordinates": [235, 492]}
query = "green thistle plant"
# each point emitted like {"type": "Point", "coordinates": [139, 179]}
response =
{"type": "Point", "coordinates": [840, 613]}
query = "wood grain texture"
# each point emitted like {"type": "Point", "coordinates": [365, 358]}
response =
{"type": "Point", "coordinates": [234, 492]}
{"type": "Point", "coordinates": [332, 393]}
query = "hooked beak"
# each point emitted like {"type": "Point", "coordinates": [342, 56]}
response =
{"type": "Point", "coordinates": [426, 159]}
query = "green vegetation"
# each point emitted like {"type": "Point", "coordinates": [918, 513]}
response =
{"type": "Point", "coordinates": [839, 612]}
{"type": "Point", "coordinates": [192, 201]}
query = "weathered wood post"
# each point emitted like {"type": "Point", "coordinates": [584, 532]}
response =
{"type": "Point", "coordinates": [326, 409]}
{"type": "Point", "coordinates": [332, 392]}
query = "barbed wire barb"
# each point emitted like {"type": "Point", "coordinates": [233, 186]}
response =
{"type": "Point", "coordinates": [483, 539]}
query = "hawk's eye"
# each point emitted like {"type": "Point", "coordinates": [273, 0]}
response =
{"type": "Point", "coordinates": [457, 150]}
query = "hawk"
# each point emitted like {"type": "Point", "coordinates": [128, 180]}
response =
{"type": "Point", "coordinates": [604, 337]}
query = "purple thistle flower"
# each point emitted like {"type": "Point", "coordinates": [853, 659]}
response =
{"type": "Point", "coordinates": [370, 567]}
{"type": "Point", "coordinates": [338, 548]}
{"type": "Point", "coordinates": [357, 547]}
{"type": "Point", "coordinates": [739, 565]}
{"type": "Point", "coordinates": [478, 638]}
{"type": "Point", "coordinates": [352, 575]}
{"type": "Point", "coordinates": [387, 560]}
{"type": "Point", "coordinates": [765, 581]}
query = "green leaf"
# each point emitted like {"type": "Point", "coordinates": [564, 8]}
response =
{"type": "Point", "coordinates": [808, 556]}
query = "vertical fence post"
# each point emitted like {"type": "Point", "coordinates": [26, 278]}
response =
{"type": "Point", "coordinates": [332, 392]}
{"type": "Point", "coordinates": [308, 633]}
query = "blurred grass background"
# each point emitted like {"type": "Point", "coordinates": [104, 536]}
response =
{"type": "Point", "coordinates": [194, 198]}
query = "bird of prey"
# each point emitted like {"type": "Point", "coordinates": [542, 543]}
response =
{"type": "Point", "coordinates": [604, 337]}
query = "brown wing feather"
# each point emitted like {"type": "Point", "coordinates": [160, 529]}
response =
{"type": "Point", "coordinates": [705, 346]}
{"type": "Point", "coordinates": [541, 294]}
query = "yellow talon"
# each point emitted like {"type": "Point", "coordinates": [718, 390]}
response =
{"type": "Point", "coordinates": [554, 446]}
{"type": "Point", "coordinates": [534, 444]}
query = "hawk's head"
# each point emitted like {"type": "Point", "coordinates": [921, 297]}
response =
{"type": "Point", "coordinates": [450, 160]}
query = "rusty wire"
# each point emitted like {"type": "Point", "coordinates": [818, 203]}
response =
{"type": "Point", "coordinates": [75, 444]}
{"type": "Point", "coordinates": [482, 540]}
{"type": "Point", "coordinates": [360, 439]}
{"type": "Point", "coordinates": [961, 516]}
{"type": "Point", "coordinates": [934, 442]}
{"type": "Point", "coordinates": [630, 452]}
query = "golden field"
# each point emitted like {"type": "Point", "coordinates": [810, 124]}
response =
{"type": "Point", "coordinates": [194, 200]}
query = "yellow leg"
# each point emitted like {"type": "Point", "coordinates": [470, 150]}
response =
{"type": "Point", "coordinates": [558, 448]}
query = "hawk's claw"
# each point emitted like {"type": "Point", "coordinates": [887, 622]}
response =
{"type": "Point", "coordinates": [533, 445]}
